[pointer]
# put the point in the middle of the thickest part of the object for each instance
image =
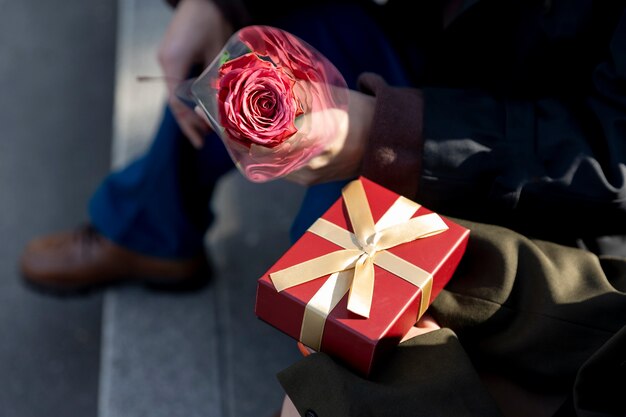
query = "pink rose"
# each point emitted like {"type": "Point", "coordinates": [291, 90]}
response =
{"type": "Point", "coordinates": [256, 102]}
{"type": "Point", "coordinates": [276, 106]}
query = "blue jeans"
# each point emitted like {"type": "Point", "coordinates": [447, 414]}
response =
{"type": "Point", "coordinates": [159, 205]}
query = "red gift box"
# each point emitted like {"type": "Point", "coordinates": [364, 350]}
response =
{"type": "Point", "coordinates": [354, 292]}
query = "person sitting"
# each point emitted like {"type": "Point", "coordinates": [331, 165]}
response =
{"type": "Point", "coordinates": [506, 116]}
{"type": "Point", "coordinates": [511, 120]}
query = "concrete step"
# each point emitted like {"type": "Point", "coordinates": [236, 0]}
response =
{"type": "Point", "coordinates": [159, 355]}
{"type": "Point", "coordinates": [56, 78]}
{"type": "Point", "coordinates": [250, 235]}
{"type": "Point", "coordinates": [204, 353]}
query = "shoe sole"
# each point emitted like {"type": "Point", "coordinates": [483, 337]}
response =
{"type": "Point", "coordinates": [195, 283]}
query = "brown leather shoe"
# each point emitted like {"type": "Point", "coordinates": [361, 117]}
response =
{"type": "Point", "coordinates": [84, 259]}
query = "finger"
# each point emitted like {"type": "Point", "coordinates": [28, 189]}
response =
{"type": "Point", "coordinates": [427, 322]}
{"type": "Point", "coordinates": [320, 161]}
{"type": "Point", "coordinates": [289, 409]}
{"type": "Point", "coordinates": [192, 134]}
{"type": "Point", "coordinates": [190, 123]}
{"type": "Point", "coordinates": [415, 331]}
{"type": "Point", "coordinates": [302, 176]}
{"type": "Point", "coordinates": [202, 114]}
{"type": "Point", "coordinates": [175, 64]}
{"type": "Point", "coordinates": [296, 179]}
{"type": "Point", "coordinates": [174, 73]}
{"type": "Point", "coordinates": [305, 350]}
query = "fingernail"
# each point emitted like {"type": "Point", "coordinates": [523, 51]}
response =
{"type": "Point", "coordinates": [305, 352]}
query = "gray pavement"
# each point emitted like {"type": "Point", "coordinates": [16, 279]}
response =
{"type": "Point", "coordinates": [202, 354]}
{"type": "Point", "coordinates": [205, 354]}
{"type": "Point", "coordinates": [56, 84]}
{"type": "Point", "coordinates": [127, 352]}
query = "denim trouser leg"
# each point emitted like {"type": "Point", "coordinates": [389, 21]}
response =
{"type": "Point", "coordinates": [159, 205]}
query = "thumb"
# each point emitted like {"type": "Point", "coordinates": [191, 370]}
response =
{"type": "Point", "coordinates": [175, 67]}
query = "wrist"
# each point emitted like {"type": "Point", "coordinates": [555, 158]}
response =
{"type": "Point", "coordinates": [394, 145]}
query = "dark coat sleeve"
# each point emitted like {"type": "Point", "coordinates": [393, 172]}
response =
{"type": "Point", "coordinates": [419, 379]}
{"type": "Point", "coordinates": [394, 152]}
{"type": "Point", "coordinates": [532, 310]}
{"type": "Point", "coordinates": [548, 319]}
{"type": "Point", "coordinates": [540, 166]}
{"type": "Point", "coordinates": [551, 167]}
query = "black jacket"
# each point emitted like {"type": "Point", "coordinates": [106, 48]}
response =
{"type": "Point", "coordinates": [518, 119]}
{"type": "Point", "coordinates": [517, 115]}
{"type": "Point", "coordinates": [530, 328]}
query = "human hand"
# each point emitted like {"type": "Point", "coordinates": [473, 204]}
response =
{"type": "Point", "coordinates": [424, 325]}
{"type": "Point", "coordinates": [288, 409]}
{"type": "Point", "coordinates": [342, 159]}
{"type": "Point", "coordinates": [195, 35]}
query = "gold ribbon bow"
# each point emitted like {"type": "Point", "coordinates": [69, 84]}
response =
{"type": "Point", "coordinates": [352, 268]}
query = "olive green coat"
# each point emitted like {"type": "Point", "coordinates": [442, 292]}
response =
{"type": "Point", "coordinates": [530, 328]}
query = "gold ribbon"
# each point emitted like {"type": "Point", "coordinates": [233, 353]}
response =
{"type": "Point", "coordinates": [352, 268]}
